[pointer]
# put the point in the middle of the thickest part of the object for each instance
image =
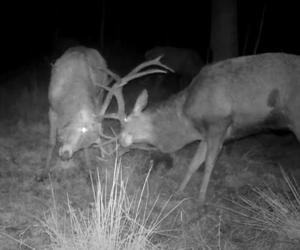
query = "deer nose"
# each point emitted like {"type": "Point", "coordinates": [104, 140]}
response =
{"type": "Point", "coordinates": [125, 140]}
{"type": "Point", "coordinates": [65, 153]}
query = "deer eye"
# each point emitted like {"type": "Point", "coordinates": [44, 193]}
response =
{"type": "Point", "coordinates": [83, 130]}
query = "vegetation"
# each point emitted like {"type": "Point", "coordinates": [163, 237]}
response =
{"type": "Point", "coordinates": [251, 204]}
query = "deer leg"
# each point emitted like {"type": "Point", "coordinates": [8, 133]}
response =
{"type": "Point", "coordinates": [52, 137]}
{"type": "Point", "coordinates": [52, 142]}
{"type": "Point", "coordinates": [196, 162]}
{"type": "Point", "coordinates": [87, 158]}
{"type": "Point", "coordinates": [49, 156]}
{"type": "Point", "coordinates": [294, 117]}
{"type": "Point", "coordinates": [214, 146]}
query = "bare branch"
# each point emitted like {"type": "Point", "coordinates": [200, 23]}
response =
{"type": "Point", "coordinates": [260, 29]}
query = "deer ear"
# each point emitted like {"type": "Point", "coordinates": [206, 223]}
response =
{"type": "Point", "coordinates": [141, 102]}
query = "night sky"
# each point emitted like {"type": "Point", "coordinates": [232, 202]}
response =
{"type": "Point", "coordinates": [28, 30]}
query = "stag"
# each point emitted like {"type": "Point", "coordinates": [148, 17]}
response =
{"type": "Point", "coordinates": [226, 100]}
{"type": "Point", "coordinates": [74, 97]}
{"type": "Point", "coordinates": [77, 88]}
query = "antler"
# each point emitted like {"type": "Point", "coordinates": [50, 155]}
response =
{"type": "Point", "coordinates": [117, 90]}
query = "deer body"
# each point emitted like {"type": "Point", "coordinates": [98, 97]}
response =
{"type": "Point", "coordinates": [74, 97]}
{"type": "Point", "coordinates": [226, 100]}
{"type": "Point", "coordinates": [248, 94]}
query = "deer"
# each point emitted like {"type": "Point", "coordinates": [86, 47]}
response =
{"type": "Point", "coordinates": [74, 97]}
{"type": "Point", "coordinates": [186, 63]}
{"type": "Point", "coordinates": [225, 101]}
{"type": "Point", "coordinates": [79, 95]}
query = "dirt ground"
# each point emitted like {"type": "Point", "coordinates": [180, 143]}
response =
{"type": "Point", "coordinates": [24, 201]}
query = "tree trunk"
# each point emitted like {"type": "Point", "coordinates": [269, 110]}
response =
{"type": "Point", "coordinates": [102, 31]}
{"type": "Point", "coordinates": [224, 37]}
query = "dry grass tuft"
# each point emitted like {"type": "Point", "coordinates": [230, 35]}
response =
{"type": "Point", "coordinates": [114, 221]}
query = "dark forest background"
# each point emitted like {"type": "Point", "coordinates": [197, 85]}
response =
{"type": "Point", "coordinates": [32, 31]}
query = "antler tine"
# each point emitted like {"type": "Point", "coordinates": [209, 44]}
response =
{"type": "Point", "coordinates": [121, 104]}
{"type": "Point", "coordinates": [115, 76]}
{"type": "Point", "coordinates": [129, 77]}
{"type": "Point", "coordinates": [110, 94]}
{"type": "Point", "coordinates": [120, 115]}
{"type": "Point", "coordinates": [104, 140]}
{"type": "Point", "coordinates": [110, 90]}
{"type": "Point", "coordinates": [108, 140]}
{"type": "Point", "coordinates": [153, 62]}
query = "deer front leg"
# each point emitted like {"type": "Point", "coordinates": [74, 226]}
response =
{"type": "Point", "coordinates": [196, 162]}
{"type": "Point", "coordinates": [52, 137]}
{"type": "Point", "coordinates": [43, 174]}
{"type": "Point", "coordinates": [214, 146]}
{"type": "Point", "coordinates": [87, 158]}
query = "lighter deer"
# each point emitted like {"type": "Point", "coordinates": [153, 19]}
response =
{"type": "Point", "coordinates": [79, 80]}
{"type": "Point", "coordinates": [74, 97]}
{"type": "Point", "coordinates": [226, 100]}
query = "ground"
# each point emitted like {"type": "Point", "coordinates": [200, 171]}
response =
{"type": "Point", "coordinates": [25, 202]}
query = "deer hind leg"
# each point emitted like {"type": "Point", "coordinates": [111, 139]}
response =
{"type": "Point", "coordinates": [196, 162]}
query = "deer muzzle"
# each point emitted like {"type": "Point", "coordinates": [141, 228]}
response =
{"type": "Point", "coordinates": [126, 140]}
{"type": "Point", "coordinates": [65, 152]}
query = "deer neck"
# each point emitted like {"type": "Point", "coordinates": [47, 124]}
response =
{"type": "Point", "coordinates": [172, 130]}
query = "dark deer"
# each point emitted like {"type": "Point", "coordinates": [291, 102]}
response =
{"type": "Point", "coordinates": [186, 63]}
{"type": "Point", "coordinates": [227, 100]}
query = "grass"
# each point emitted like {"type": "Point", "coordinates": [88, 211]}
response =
{"type": "Point", "coordinates": [267, 218]}
{"type": "Point", "coordinates": [133, 214]}
{"type": "Point", "coordinates": [115, 221]}
{"type": "Point", "coordinates": [23, 97]}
